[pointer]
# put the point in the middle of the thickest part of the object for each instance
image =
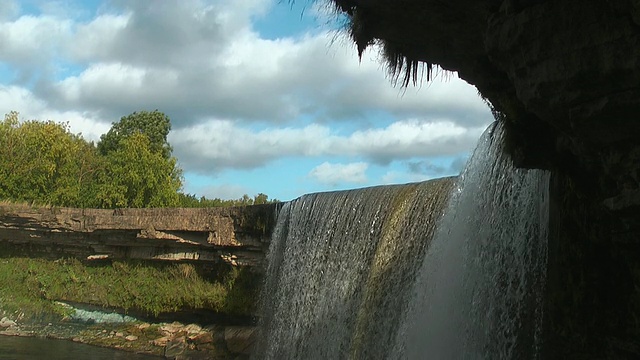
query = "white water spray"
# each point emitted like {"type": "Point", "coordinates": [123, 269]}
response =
{"type": "Point", "coordinates": [478, 294]}
{"type": "Point", "coordinates": [342, 267]}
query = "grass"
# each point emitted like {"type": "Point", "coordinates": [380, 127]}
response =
{"type": "Point", "coordinates": [29, 287]}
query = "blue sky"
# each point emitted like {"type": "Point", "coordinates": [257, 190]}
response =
{"type": "Point", "coordinates": [264, 95]}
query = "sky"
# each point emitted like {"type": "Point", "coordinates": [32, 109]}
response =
{"type": "Point", "coordinates": [264, 96]}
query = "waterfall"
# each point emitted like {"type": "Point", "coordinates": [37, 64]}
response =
{"type": "Point", "coordinates": [360, 274]}
{"type": "Point", "coordinates": [341, 265]}
{"type": "Point", "coordinates": [478, 293]}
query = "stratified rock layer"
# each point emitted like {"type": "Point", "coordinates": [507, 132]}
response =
{"type": "Point", "coordinates": [236, 235]}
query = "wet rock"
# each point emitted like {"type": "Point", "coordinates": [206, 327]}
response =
{"type": "Point", "coordinates": [192, 329]}
{"type": "Point", "coordinates": [170, 329]}
{"type": "Point", "coordinates": [202, 338]}
{"type": "Point", "coordinates": [143, 326]}
{"type": "Point", "coordinates": [240, 339]}
{"type": "Point", "coordinates": [175, 347]}
{"type": "Point", "coordinates": [5, 322]}
{"type": "Point", "coordinates": [161, 341]}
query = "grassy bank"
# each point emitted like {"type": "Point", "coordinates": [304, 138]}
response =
{"type": "Point", "coordinates": [29, 287]}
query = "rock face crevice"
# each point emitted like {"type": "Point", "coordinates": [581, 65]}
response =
{"type": "Point", "coordinates": [563, 75]}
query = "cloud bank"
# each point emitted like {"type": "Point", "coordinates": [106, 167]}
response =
{"type": "Point", "coordinates": [237, 99]}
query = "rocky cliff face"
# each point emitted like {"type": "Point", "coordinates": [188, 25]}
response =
{"type": "Point", "coordinates": [236, 235]}
{"type": "Point", "coordinates": [563, 76]}
{"type": "Point", "coordinates": [562, 73]}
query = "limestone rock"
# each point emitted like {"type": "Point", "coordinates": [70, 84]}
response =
{"type": "Point", "coordinates": [175, 347]}
{"type": "Point", "coordinates": [7, 323]}
{"type": "Point", "coordinates": [202, 338]}
{"type": "Point", "coordinates": [236, 235]}
{"type": "Point", "coordinates": [240, 339]}
{"type": "Point", "coordinates": [161, 341]}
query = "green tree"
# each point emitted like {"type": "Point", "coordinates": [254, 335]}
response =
{"type": "Point", "coordinates": [139, 168]}
{"type": "Point", "coordinates": [260, 199]}
{"type": "Point", "coordinates": [137, 175]}
{"type": "Point", "coordinates": [132, 166]}
{"type": "Point", "coordinates": [154, 124]}
{"type": "Point", "coordinates": [77, 184]}
{"type": "Point", "coordinates": [44, 162]}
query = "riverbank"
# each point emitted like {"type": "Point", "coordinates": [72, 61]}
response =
{"type": "Point", "coordinates": [163, 309]}
{"type": "Point", "coordinates": [164, 340]}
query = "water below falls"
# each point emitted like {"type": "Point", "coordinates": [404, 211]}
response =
{"type": "Point", "coordinates": [364, 274]}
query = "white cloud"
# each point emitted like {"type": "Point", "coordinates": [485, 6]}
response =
{"type": "Point", "coordinates": [424, 169]}
{"type": "Point", "coordinates": [334, 174]}
{"type": "Point", "coordinates": [220, 144]}
{"type": "Point", "coordinates": [408, 138]}
{"type": "Point", "coordinates": [8, 9]}
{"type": "Point", "coordinates": [29, 43]}
{"type": "Point", "coordinates": [94, 40]}
{"type": "Point", "coordinates": [223, 191]}
{"type": "Point", "coordinates": [15, 98]}
{"type": "Point", "coordinates": [400, 177]}
{"type": "Point", "coordinates": [203, 64]}
{"type": "Point", "coordinates": [198, 59]}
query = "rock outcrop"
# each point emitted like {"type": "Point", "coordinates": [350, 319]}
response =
{"type": "Point", "coordinates": [236, 235]}
{"type": "Point", "coordinates": [563, 75]}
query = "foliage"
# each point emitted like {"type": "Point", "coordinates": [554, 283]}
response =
{"type": "Point", "coordinates": [140, 170]}
{"type": "Point", "coordinates": [138, 176]}
{"type": "Point", "coordinates": [42, 162]}
{"type": "Point", "coordinates": [155, 125]}
{"type": "Point", "coordinates": [191, 201]}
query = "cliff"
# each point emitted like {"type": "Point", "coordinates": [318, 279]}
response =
{"type": "Point", "coordinates": [236, 235]}
{"type": "Point", "coordinates": [563, 76]}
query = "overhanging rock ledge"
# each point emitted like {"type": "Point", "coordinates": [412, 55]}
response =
{"type": "Point", "coordinates": [563, 75]}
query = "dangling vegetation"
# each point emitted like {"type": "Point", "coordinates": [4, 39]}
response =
{"type": "Point", "coordinates": [403, 68]}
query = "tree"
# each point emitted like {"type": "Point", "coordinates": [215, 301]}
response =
{"type": "Point", "coordinates": [260, 199]}
{"type": "Point", "coordinates": [77, 184]}
{"type": "Point", "coordinates": [9, 149]}
{"type": "Point", "coordinates": [44, 162]}
{"type": "Point", "coordinates": [140, 171]}
{"type": "Point", "coordinates": [154, 124]}
{"type": "Point", "coordinates": [137, 175]}
{"type": "Point", "coordinates": [132, 166]}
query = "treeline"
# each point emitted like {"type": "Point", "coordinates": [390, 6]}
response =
{"type": "Point", "coordinates": [132, 165]}
{"type": "Point", "coordinates": [190, 200]}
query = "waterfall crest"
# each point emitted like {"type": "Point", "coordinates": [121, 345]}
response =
{"type": "Point", "coordinates": [341, 265]}
{"type": "Point", "coordinates": [363, 274]}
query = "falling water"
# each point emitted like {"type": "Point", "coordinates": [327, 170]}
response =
{"type": "Point", "coordinates": [341, 265]}
{"type": "Point", "coordinates": [354, 274]}
{"type": "Point", "coordinates": [478, 294]}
